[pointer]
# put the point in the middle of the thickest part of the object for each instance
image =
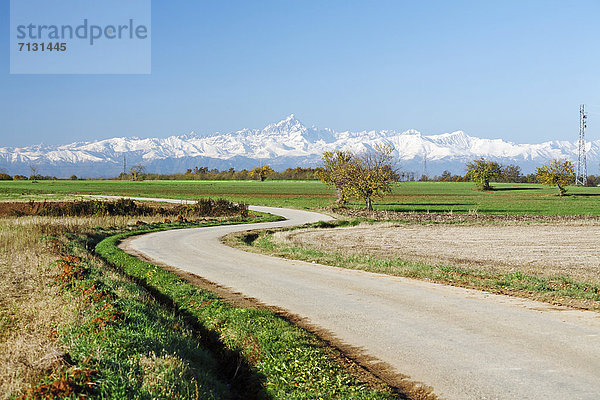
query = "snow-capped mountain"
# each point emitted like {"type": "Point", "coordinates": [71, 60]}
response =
{"type": "Point", "coordinates": [287, 143]}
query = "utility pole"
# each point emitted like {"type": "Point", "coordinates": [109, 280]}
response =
{"type": "Point", "coordinates": [581, 177]}
{"type": "Point", "coordinates": [425, 163]}
{"type": "Point", "coordinates": [124, 164]}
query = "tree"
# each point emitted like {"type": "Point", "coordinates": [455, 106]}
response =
{"type": "Point", "coordinates": [446, 176]}
{"type": "Point", "coordinates": [138, 172]}
{"type": "Point", "coordinates": [261, 172]}
{"type": "Point", "coordinates": [592, 180]}
{"type": "Point", "coordinates": [5, 177]}
{"type": "Point", "coordinates": [557, 172]}
{"type": "Point", "coordinates": [482, 172]}
{"type": "Point", "coordinates": [512, 173]}
{"type": "Point", "coordinates": [370, 174]}
{"type": "Point", "coordinates": [334, 172]}
{"type": "Point", "coordinates": [34, 173]}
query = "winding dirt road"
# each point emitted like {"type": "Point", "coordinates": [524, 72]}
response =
{"type": "Point", "coordinates": [464, 343]}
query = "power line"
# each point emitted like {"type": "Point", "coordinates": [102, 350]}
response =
{"type": "Point", "coordinates": [581, 177]}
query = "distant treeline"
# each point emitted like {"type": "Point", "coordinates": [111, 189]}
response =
{"type": "Point", "coordinates": [205, 174]}
{"type": "Point", "coordinates": [35, 177]}
{"type": "Point", "coordinates": [510, 174]}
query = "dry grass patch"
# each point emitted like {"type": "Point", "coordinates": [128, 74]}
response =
{"type": "Point", "coordinates": [32, 308]}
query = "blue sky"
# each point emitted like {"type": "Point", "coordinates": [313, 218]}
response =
{"type": "Point", "coordinates": [515, 70]}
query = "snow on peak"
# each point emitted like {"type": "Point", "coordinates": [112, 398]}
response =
{"type": "Point", "coordinates": [287, 140]}
{"type": "Point", "coordinates": [288, 124]}
{"type": "Point", "coordinates": [411, 132]}
{"type": "Point", "coordinates": [457, 139]}
{"type": "Point", "coordinates": [188, 136]}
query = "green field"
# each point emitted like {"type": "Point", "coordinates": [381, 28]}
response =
{"type": "Point", "coordinates": [444, 197]}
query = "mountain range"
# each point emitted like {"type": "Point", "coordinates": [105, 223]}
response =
{"type": "Point", "coordinates": [287, 143]}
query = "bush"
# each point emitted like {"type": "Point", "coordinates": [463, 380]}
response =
{"type": "Point", "coordinates": [209, 207]}
{"type": "Point", "coordinates": [92, 207]}
{"type": "Point", "coordinates": [592, 180]}
{"type": "Point", "coordinates": [202, 208]}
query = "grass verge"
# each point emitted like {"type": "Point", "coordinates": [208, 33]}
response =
{"type": "Point", "coordinates": [560, 290]}
{"type": "Point", "coordinates": [32, 305]}
{"type": "Point", "coordinates": [125, 345]}
{"type": "Point", "coordinates": [74, 327]}
{"type": "Point", "coordinates": [284, 361]}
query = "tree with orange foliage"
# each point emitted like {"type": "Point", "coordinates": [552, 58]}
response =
{"type": "Point", "coordinates": [261, 172]}
{"type": "Point", "coordinates": [557, 172]}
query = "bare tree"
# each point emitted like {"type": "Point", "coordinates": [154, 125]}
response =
{"type": "Point", "coordinates": [512, 173]}
{"type": "Point", "coordinates": [138, 172]}
{"type": "Point", "coordinates": [34, 172]}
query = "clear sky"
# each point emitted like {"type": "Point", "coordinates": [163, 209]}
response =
{"type": "Point", "coordinates": [515, 70]}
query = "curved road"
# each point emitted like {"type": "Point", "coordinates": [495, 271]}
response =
{"type": "Point", "coordinates": [464, 343]}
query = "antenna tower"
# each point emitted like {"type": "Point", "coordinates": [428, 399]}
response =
{"type": "Point", "coordinates": [581, 177]}
{"type": "Point", "coordinates": [124, 164]}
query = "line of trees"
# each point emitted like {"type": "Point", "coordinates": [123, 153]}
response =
{"type": "Point", "coordinates": [260, 173]}
{"type": "Point", "coordinates": [510, 173]}
{"type": "Point", "coordinates": [559, 173]}
{"type": "Point", "coordinates": [480, 171]}
{"type": "Point", "coordinates": [6, 177]}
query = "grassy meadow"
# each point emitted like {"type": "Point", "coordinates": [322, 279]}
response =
{"type": "Point", "coordinates": [420, 197]}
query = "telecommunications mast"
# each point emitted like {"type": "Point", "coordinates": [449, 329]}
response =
{"type": "Point", "coordinates": [581, 177]}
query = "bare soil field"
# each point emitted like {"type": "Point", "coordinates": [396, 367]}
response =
{"type": "Point", "coordinates": [565, 248]}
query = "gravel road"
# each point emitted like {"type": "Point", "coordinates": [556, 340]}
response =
{"type": "Point", "coordinates": [464, 343]}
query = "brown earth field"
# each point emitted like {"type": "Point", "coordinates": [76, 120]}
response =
{"type": "Point", "coordinates": [542, 249]}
